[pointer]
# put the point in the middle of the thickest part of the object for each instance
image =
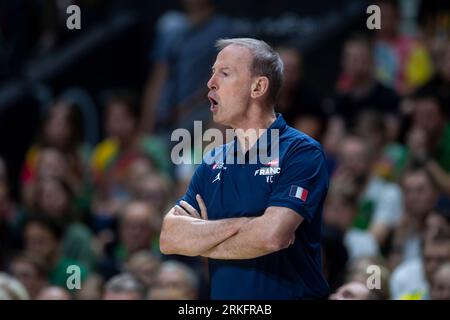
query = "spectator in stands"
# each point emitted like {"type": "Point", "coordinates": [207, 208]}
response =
{"type": "Point", "coordinates": [154, 189]}
{"type": "Point", "coordinates": [437, 224]}
{"type": "Point", "coordinates": [358, 89]}
{"type": "Point", "coordinates": [334, 255]}
{"type": "Point", "coordinates": [31, 272]}
{"type": "Point", "coordinates": [53, 293]}
{"type": "Point", "coordinates": [54, 198]}
{"type": "Point", "coordinates": [401, 62]}
{"type": "Point", "coordinates": [62, 129]}
{"type": "Point", "coordinates": [91, 288]}
{"type": "Point", "coordinates": [440, 283]}
{"type": "Point", "coordinates": [174, 281]}
{"type": "Point", "coordinates": [124, 287]}
{"type": "Point", "coordinates": [138, 169]}
{"type": "Point", "coordinates": [144, 266]}
{"type": "Point", "coordinates": [123, 146]}
{"type": "Point", "coordinates": [42, 237]}
{"type": "Point", "coordinates": [52, 163]}
{"type": "Point", "coordinates": [120, 161]}
{"type": "Point", "coordinates": [147, 184]}
{"type": "Point", "coordinates": [11, 288]}
{"type": "Point", "coordinates": [139, 228]}
{"type": "Point", "coordinates": [331, 140]}
{"type": "Point", "coordinates": [420, 197]}
{"type": "Point", "coordinates": [429, 138]}
{"type": "Point", "coordinates": [176, 91]}
{"type": "Point", "coordinates": [440, 83]}
{"type": "Point", "coordinates": [367, 270]}
{"type": "Point", "coordinates": [390, 157]}
{"type": "Point", "coordinates": [300, 105]}
{"type": "Point", "coordinates": [411, 280]}
{"type": "Point", "coordinates": [354, 290]}
{"type": "Point", "coordinates": [436, 252]}
{"type": "Point", "coordinates": [380, 203]}
{"type": "Point", "coordinates": [341, 209]}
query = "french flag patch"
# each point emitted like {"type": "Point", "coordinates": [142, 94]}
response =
{"type": "Point", "coordinates": [298, 192]}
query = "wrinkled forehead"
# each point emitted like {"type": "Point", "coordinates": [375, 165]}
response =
{"type": "Point", "coordinates": [234, 56]}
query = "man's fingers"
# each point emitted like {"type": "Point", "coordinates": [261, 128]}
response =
{"type": "Point", "coordinates": [190, 209]}
{"type": "Point", "coordinates": [178, 211]}
{"type": "Point", "coordinates": [201, 204]}
{"type": "Point", "coordinates": [175, 211]}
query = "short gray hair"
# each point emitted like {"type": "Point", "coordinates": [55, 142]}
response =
{"type": "Point", "coordinates": [190, 276]}
{"type": "Point", "coordinates": [266, 61]}
{"type": "Point", "coordinates": [125, 282]}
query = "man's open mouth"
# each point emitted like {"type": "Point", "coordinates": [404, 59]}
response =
{"type": "Point", "coordinates": [214, 103]}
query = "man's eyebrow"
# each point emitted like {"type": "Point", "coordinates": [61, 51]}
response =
{"type": "Point", "coordinates": [220, 68]}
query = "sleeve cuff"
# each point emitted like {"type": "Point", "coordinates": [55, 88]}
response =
{"type": "Point", "coordinates": [286, 204]}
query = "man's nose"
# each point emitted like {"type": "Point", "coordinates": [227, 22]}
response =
{"type": "Point", "coordinates": [212, 85]}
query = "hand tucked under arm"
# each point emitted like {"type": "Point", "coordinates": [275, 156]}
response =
{"type": "Point", "coordinates": [271, 232]}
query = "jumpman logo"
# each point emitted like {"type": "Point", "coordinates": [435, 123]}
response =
{"type": "Point", "coordinates": [216, 178]}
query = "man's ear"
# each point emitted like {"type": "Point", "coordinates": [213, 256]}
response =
{"type": "Point", "coordinates": [260, 87]}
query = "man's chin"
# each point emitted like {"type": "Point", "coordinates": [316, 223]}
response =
{"type": "Point", "coordinates": [220, 119]}
{"type": "Point", "coordinates": [217, 118]}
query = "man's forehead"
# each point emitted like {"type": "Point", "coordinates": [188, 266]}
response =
{"type": "Point", "coordinates": [233, 55]}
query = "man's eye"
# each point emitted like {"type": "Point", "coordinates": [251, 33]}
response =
{"type": "Point", "coordinates": [225, 74]}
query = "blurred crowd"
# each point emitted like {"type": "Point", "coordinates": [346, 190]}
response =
{"type": "Point", "coordinates": [385, 130]}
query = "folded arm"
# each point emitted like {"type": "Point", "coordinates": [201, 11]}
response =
{"type": "Point", "coordinates": [191, 236]}
{"type": "Point", "coordinates": [271, 232]}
